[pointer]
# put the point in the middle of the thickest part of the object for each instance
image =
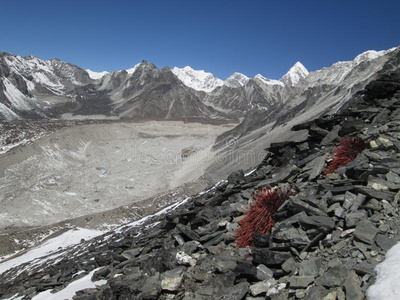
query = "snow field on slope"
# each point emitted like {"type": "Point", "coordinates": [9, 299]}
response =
{"type": "Point", "coordinates": [50, 249]}
{"type": "Point", "coordinates": [387, 285]}
{"type": "Point", "coordinates": [69, 291]}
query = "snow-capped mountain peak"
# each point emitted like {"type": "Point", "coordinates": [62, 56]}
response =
{"type": "Point", "coordinates": [96, 75]}
{"type": "Point", "coordinates": [236, 80]}
{"type": "Point", "coordinates": [133, 69]}
{"type": "Point", "coordinates": [295, 74]}
{"type": "Point", "coordinates": [197, 79]}
{"type": "Point", "coordinates": [269, 81]}
{"type": "Point", "coordinates": [371, 55]}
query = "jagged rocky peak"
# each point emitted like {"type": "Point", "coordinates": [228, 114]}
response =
{"type": "Point", "coordinates": [133, 69]}
{"type": "Point", "coordinates": [295, 74]}
{"type": "Point", "coordinates": [197, 79]}
{"type": "Point", "coordinates": [236, 80]}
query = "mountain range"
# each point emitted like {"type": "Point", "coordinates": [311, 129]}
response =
{"type": "Point", "coordinates": [31, 88]}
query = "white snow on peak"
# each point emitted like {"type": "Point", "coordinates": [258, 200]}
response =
{"type": "Point", "coordinates": [388, 277]}
{"type": "Point", "coordinates": [371, 55]}
{"type": "Point", "coordinates": [96, 75]}
{"type": "Point", "coordinates": [236, 80]}
{"type": "Point", "coordinates": [197, 79]}
{"type": "Point", "coordinates": [269, 81]}
{"type": "Point", "coordinates": [132, 70]}
{"type": "Point", "coordinates": [295, 74]}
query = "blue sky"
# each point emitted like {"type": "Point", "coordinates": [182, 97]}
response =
{"type": "Point", "coordinates": [222, 37]}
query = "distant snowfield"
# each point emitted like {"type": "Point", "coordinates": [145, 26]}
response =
{"type": "Point", "coordinates": [387, 285]}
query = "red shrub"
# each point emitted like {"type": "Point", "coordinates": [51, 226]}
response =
{"type": "Point", "coordinates": [347, 151]}
{"type": "Point", "coordinates": [258, 219]}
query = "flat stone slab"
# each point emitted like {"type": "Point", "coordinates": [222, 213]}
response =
{"type": "Point", "coordinates": [365, 231]}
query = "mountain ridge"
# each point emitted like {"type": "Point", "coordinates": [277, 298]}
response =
{"type": "Point", "coordinates": [35, 88]}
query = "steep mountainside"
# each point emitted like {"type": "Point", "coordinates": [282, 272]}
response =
{"type": "Point", "coordinates": [321, 92]}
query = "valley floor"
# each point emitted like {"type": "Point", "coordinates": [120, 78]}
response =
{"type": "Point", "coordinates": [88, 169]}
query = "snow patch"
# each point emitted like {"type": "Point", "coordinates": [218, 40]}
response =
{"type": "Point", "coordinates": [387, 285]}
{"type": "Point", "coordinates": [69, 291]}
{"type": "Point", "coordinates": [17, 99]}
{"type": "Point", "coordinates": [96, 75]}
{"type": "Point", "coordinates": [50, 249]}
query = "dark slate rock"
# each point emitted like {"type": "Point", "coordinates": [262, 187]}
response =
{"type": "Point", "coordinates": [264, 273]}
{"type": "Point", "coordinates": [381, 117]}
{"type": "Point", "coordinates": [317, 221]}
{"type": "Point", "coordinates": [364, 268]}
{"type": "Point", "coordinates": [310, 267]}
{"type": "Point", "coordinates": [296, 237]}
{"type": "Point", "coordinates": [152, 287]}
{"type": "Point", "coordinates": [289, 265]}
{"type": "Point", "coordinates": [334, 276]}
{"type": "Point", "coordinates": [261, 240]}
{"type": "Point", "coordinates": [300, 282]}
{"type": "Point", "coordinates": [130, 254]}
{"type": "Point", "coordinates": [186, 231]}
{"type": "Point", "coordinates": [331, 136]}
{"type": "Point", "coordinates": [236, 292]}
{"type": "Point", "coordinates": [365, 231]}
{"type": "Point", "coordinates": [349, 199]}
{"type": "Point", "coordinates": [280, 175]}
{"type": "Point", "coordinates": [236, 177]}
{"type": "Point", "coordinates": [101, 274]}
{"type": "Point", "coordinates": [172, 280]}
{"type": "Point", "coordinates": [377, 194]}
{"type": "Point", "coordinates": [317, 293]}
{"type": "Point", "coordinates": [353, 218]}
{"type": "Point", "coordinates": [352, 286]}
{"type": "Point", "coordinates": [384, 242]}
{"type": "Point", "coordinates": [306, 160]}
{"type": "Point", "coordinates": [393, 177]}
{"type": "Point", "coordinates": [268, 257]}
{"type": "Point", "coordinates": [296, 205]}
{"type": "Point", "coordinates": [246, 268]}
{"type": "Point", "coordinates": [389, 164]}
{"type": "Point", "coordinates": [190, 247]}
{"type": "Point", "coordinates": [351, 126]}
{"type": "Point", "coordinates": [225, 263]}
{"type": "Point", "coordinates": [317, 167]}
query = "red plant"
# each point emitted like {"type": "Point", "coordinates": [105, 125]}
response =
{"type": "Point", "coordinates": [258, 219]}
{"type": "Point", "coordinates": [347, 151]}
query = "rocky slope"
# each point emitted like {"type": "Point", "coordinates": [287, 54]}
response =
{"type": "Point", "coordinates": [321, 92]}
{"type": "Point", "coordinates": [328, 238]}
